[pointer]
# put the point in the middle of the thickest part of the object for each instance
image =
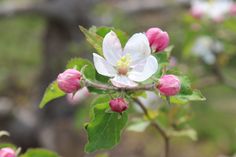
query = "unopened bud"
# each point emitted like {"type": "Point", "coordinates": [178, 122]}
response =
{"type": "Point", "coordinates": [169, 85]}
{"type": "Point", "coordinates": [69, 80]}
{"type": "Point", "coordinates": [118, 105]}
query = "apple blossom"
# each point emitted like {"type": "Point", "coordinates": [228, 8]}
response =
{"type": "Point", "coordinates": [169, 85]}
{"type": "Point", "coordinates": [68, 81]}
{"type": "Point", "coordinates": [157, 38]}
{"type": "Point", "coordinates": [207, 48]}
{"type": "Point", "coordinates": [126, 66]}
{"type": "Point", "coordinates": [118, 105]}
{"type": "Point", "coordinates": [214, 10]}
{"type": "Point", "coordinates": [7, 152]}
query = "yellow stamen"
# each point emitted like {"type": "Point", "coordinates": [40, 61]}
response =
{"type": "Point", "coordinates": [123, 64]}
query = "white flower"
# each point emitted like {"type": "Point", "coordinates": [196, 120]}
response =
{"type": "Point", "coordinates": [213, 9]}
{"type": "Point", "coordinates": [126, 66]}
{"type": "Point", "coordinates": [207, 48]}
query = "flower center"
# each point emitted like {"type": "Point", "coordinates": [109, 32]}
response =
{"type": "Point", "coordinates": [123, 64]}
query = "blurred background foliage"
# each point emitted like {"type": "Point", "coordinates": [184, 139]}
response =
{"type": "Point", "coordinates": [22, 42]}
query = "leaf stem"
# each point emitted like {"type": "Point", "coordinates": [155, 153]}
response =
{"type": "Point", "coordinates": [156, 125]}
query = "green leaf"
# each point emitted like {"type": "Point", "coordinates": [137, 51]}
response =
{"type": "Point", "coordinates": [10, 145]}
{"type": "Point", "coordinates": [185, 85]}
{"type": "Point", "coordinates": [138, 125]}
{"type": "Point", "coordinates": [186, 93]}
{"type": "Point", "coordinates": [162, 58]}
{"type": "Point", "coordinates": [191, 133]}
{"type": "Point", "coordinates": [196, 95]}
{"type": "Point", "coordinates": [39, 153]}
{"type": "Point", "coordinates": [97, 91]}
{"type": "Point", "coordinates": [163, 61]}
{"type": "Point", "coordinates": [79, 63]}
{"type": "Point", "coordinates": [93, 38]}
{"type": "Point", "coordinates": [51, 93]}
{"type": "Point", "coordinates": [105, 128]}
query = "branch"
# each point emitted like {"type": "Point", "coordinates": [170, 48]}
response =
{"type": "Point", "coordinates": [156, 125]}
{"type": "Point", "coordinates": [88, 83]}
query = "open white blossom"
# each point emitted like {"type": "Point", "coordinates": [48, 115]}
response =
{"type": "Point", "coordinates": [207, 48]}
{"type": "Point", "coordinates": [213, 9]}
{"type": "Point", "coordinates": [126, 66]}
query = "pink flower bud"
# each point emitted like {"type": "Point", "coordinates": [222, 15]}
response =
{"type": "Point", "coordinates": [196, 12]}
{"type": "Point", "coordinates": [157, 38]}
{"type": "Point", "coordinates": [118, 105]}
{"type": "Point", "coordinates": [7, 152]}
{"type": "Point", "coordinates": [68, 81]}
{"type": "Point", "coordinates": [233, 9]}
{"type": "Point", "coordinates": [169, 85]}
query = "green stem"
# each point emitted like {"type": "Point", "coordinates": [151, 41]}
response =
{"type": "Point", "coordinates": [156, 125]}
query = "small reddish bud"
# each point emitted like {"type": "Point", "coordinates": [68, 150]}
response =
{"type": "Point", "coordinates": [169, 85]}
{"type": "Point", "coordinates": [69, 80]}
{"type": "Point", "coordinates": [158, 39]}
{"type": "Point", "coordinates": [118, 105]}
{"type": "Point", "coordinates": [7, 152]}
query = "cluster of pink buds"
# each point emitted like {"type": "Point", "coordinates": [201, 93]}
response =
{"type": "Point", "coordinates": [7, 152]}
{"type": "Point", "coordinates": [169, 85]}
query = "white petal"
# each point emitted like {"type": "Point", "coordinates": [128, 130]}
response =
{"type": "Point", "coordinates": [112, 49]}
{"type": "Point", "coordinates": [102, 66]}
{"type": "Point", "coordinates": [217, 9]}
{"type": "Point", "coordinates": [123, 81]}
{"type": "Point", "coordinates": [138, 47]}
{"type": "Point", "coordinates": [140, 73]}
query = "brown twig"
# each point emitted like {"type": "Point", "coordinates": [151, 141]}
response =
{"type": "Point", "coordinates": [89, 83]}
{"type": "Point", "coordinates": [157, 126]}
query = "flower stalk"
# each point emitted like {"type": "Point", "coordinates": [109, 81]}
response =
{"type": "Point", "coordinates": [88, 83]}
{"type": "Point", "coordinates": [157, 126]}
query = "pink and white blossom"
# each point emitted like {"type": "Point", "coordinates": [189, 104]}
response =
{"type": "Point", "coordinates": [126, 66]}
{"type": "Point", "coordinates": [215, 10]}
